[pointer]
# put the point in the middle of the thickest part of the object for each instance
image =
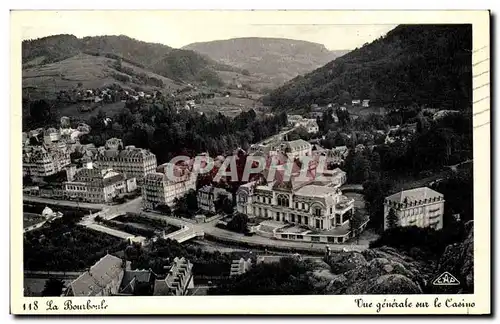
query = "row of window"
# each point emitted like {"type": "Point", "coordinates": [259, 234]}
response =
{"type": "Point", "coordinates": [330, 239]}
{"type": "Point", "coordinates": [417, 211]}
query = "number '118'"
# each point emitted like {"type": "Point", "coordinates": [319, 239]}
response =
{"type": "Point", "coordinates": [31, 306]}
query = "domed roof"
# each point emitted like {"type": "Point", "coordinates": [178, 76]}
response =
{"type": "Point", "coordinates": [47, 212]}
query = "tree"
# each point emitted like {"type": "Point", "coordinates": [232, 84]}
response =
{"type": "Point", "coordinates": [238, 223]}
{"type": "Point", "coordinates": [40, 111]}
{"type": "Point", "coordinates": [223, 204]}
{"type": "Point", "coordinates": [392, 219]}
{"type": "Point", "coordinates": [354, 223]}
{"type": "Point", "coordinates": [164, 209]}
{"type": "Point", "coordinates": [53, 287]}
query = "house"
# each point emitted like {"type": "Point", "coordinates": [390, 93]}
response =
{"type": "Point", "coordinates": [422, 207]}
{"type": "Point", "coordinates": [239, 267]}
{"type": "Point", "coordinates": [42, 161]}
{"type": "Point", "coordinates": [161, 189]}
{"type": "Point", "coordinates": [208, 195]}
{"type": "Point", "coordinates": [366, 103]}
{"type": "Point", "coordinates": [296, 148]}
{"type": "Point", "coordinates": [312, 126]}
{"type": "Point", "coordinates": [356, 102]}
{"type": "Point", "coordinates": [400, 133]}
{"type": "Point", "coordinates": [335, 177]}
{"type": "Point", "coordinates": [178, 280]}
{"type": "Point", "coordinates": [110, 276]}
{"type": "Point", "coordinates": [98, 185]}
{"type": "Point", "coordinates": [131, 161]}
{"type": "Point", "coordinates": [293, 120]}
{"type": "Point", "coordinates": [337, 155]}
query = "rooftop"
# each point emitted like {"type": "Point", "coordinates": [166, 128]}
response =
{"type": "Point", "coordinates": [315, 191]}
{"type": "Point", "coordinates": [100, 275]}
{"type": "Point", "coordinates": [416, 194]}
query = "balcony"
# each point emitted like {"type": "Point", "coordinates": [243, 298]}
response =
{"type": "Point", "coordinates": [344, 205]}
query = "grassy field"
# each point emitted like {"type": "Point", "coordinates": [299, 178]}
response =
{"type": "Point", "coordinates": [91, 71]}
{"type": "Point", "coordinates": [31, 219]}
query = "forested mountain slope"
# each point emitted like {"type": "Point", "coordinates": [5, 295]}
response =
{"type": "Point", "coordinates": [423, 64]}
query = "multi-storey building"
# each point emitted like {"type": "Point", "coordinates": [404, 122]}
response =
{"type": "Point", "coordinates": [98, 185]}
{"type": "Point", "coordinates": [312, 126]}
{"type": "Point", "coordinates": [208, 195]}
{"type": "Point", "coordinates": [160, 189]}
{"type": "Point", "coordinates": [178, 280]}
{"type": "Point", "coordinates": [317, 206]}
{"type": "Point", "coordinates": [51, 135]}
{"type": "Point", "coordinates": [132, 161]}
{"type": "Point", "coordinates": [422, 207]}
{"type": "Point", "coordinates": [110, 276]}
{"type": "Point", "coordinates": [292, 149]}
{"type": "Point", "coordinates": [40, 162]}
{"type": "Point", "coordinates": [239, 267]}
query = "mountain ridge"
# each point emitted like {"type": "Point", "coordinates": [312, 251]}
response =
{"type": "Point", "coordinates": [277, 59]}
{"type": "Point", "coordinates": [178, 65]}
{"type": "Point", "coordinates": [423, 64]}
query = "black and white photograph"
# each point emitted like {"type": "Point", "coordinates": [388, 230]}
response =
{"type": "Point", "coordinates": [189, 153]}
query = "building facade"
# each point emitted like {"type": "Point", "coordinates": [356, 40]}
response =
{"type": "Point", "coordinates": [178, 280]}
{"type": "Point", "coordinates": [158, 189]}
{"type": "Point", "coordinates": [312, 126]}
{"type": "Point", "coordinates": [40, 162]}
{"type": "Point", "coordinates": [315, 206]}
{"type": "Point", "coordinates": [422, 207]}
{"type": "Point", "coordinates": [98, 185]}
{"type": "Point", "coordinates": [208, 195]}
{"type": "Point", "coordinates": [133, 162]}
{"type": "Point", "coordinates": [239, 267]}
{"type": "Point", "coordinates": [102, 279]}
{"type": "Point", "coordinates": [110, 276]}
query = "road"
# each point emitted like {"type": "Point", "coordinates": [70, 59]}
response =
{"type": "Point", "coordinates": [109, 212]}
{"type": "Point", "coordinates": [68, 203]}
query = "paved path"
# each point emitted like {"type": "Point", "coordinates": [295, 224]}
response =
{"type": "Point", "coordinates": [110, 231]}
{"type": "Point", "coordinates": [69, 203]}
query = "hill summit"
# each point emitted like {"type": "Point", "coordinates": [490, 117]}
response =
{"type": "Point", "coordinates": [422, 64]}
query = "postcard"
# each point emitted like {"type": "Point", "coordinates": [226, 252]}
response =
{"type": "Point", "coordinates": [250, 162]}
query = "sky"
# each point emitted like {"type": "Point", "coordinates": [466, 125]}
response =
{"type": "Point", "coordinates": [180, 28]}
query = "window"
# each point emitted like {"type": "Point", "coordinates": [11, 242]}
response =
{"type": "Point", "coordinates": [292, 217]}
{"type": "Point", "coordinates": [314, 238]}
{"type": "Point", "coordinates": [317, 211]}
{"type": "Point", "coordinates": [283, 201]}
